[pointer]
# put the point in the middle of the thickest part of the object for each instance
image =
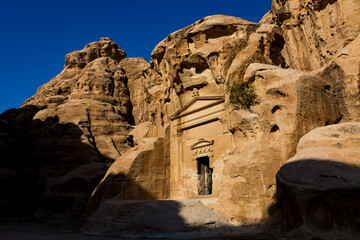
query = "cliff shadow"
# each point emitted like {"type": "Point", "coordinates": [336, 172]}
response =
{"type": "Point", "coordinates": [51, 169]}
{"type": "Point", "coordinates": [49, 172]}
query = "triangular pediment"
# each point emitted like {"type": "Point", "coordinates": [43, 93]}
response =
{"type": "Point", "coordinates": [197, 104]}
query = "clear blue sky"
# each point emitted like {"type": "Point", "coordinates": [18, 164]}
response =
{"type": "Point", "coordinates": [36, 35]}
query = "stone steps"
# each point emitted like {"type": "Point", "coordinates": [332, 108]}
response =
{"type": "Point", "coordinates": [163, 216]}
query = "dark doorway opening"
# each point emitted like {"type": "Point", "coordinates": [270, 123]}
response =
{"type": "Point", "coordinates": [204, 176]}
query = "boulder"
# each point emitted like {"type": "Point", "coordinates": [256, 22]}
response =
{"type": "Point", "coordinates": [142, 173]}
{"type": "Point", "coordinates": [318, 188]}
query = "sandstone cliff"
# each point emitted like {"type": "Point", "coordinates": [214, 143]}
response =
{"type": "Point", "coordinates": [64, 138]}
{"type": "Point", "coordinates": [100, 133]}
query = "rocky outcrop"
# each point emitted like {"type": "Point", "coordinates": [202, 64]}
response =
{"type": "Point", "coordinates": [203, 56]}
{"type": "Point", "coordinates": [322, 35]}
{"type": "Point", "coordinates": [292, 103]}
{"type": "Point", "coordinates": [99, 133]}
{"type": "Point", "coordinates": [318, 188]}
{"type": "Point", "coordinates": [66, 135]}
{"type": "Point", "coordinates": [314, 31]}
{"type": "Point", "coordinates": [142, 173]}
{"type": "Point", "coordinates": [92, 51]}
{"type": "Point", "coordinates": [155, 219]}
{"type": "Point", "coordinates": [344, 71]}
{"type": "Point", "coordinates": [138, 86]}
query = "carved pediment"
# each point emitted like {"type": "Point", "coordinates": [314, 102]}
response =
{"type": "Point", "coordinates": [202, 148]}
{"type": "Point", "coordinates": [198, 104]}
{"type": "Point", "coordinates": [202, 143]}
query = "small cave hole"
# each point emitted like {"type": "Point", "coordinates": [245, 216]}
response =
{"type": "Point", "coordinates": [277, 107]}
{"type": "Point", "coordinates": [274, 128]}
{"type": "Point", "coordinates": [281, 93]}
{"type": "Point", "coordinates": [327, 87]}
{"type": "Point", "coordinates": [275, 51]}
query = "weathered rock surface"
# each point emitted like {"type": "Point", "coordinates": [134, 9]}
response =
{"type": "Point", "coordinates": [138, 87]}
{"type": "Point", "coordinates": [104, 48]}
{"type": "Point", "coordinates": [203, 56]}
{"type": "Point", "coordinates": [66, 135]}
{"type": "Point", "coordinates": [74, 142]}
{"type": "Point", "coordinates": [322, 34]}
{"type": "Point", "coordinates": [159, 219]}
{"type": "Point", "coordinates": [318, 188]}
{"type": "Point", "coordinates": [344, 71]}
{"type": "Point", "coordinates": [292, 103]}
{"type": "Point", "coordinates": [142, 173]}
{"type": "Point", "coordinates": [314, 31]}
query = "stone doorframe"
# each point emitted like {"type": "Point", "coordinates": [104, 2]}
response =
{"type": "Point", "coordinates": [202, 148]}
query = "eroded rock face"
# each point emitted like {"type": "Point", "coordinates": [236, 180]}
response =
{"type": "Point", "coordinates": [138, 86]}
{"type": "Point", "coordinates": [201, 57]}
{"type": "Point", "coordinates": [104, 48]}
{"type": "Point", "coordinates": [323, 35]}
{"type": "Point", "coordinates": [165, 218]}
{"type": "Point", "coordinates": [76, 142]}
{"type": "Point", "coordinates": [79, 125]}
{"type": "Point", "coordinates": [344, 71]}
{"type": "Point", "coordinates": [314, 31]}
{"type": "Point", "coordinates": [318, 188]}
{"type": "Point", "coordinates": [142, 173]}
{"type": "Point", "coordinates": [292, 103]}
{"type": "Point", "coordinates": [205, 58]}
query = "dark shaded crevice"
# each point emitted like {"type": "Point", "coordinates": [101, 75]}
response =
{"type": "Point", "coordinates": [113, 143]}
{"type": "Point", "coordinates": [130, 118]}
{"type": "Point", "coordinates": [111, 87]}
{"type": "Point", "coordinates": [322, 4]}
{"type": "Point", "coordinates": [275, 51]}
{"type": "Point", "coordinates": [220, 31]}
{"type": "Point", "coordinates": [282, 15]}
{"type": "Point", "coordinates": [274, 128]}
{"type": "Point", "coordinates": [158, 54]}
{"type": "Point", "coordinates": [281, 2]}
{"type": "Point", "coordinates": [197, 86]}
{"type": "Point", "coordinates": [195, 61]}
{"type": "Point", "coordinates": [275, 108]}
{"type": "Point", "coordinates": [91, 138]}
{"type": "Point", "coordinates": [276, 93]}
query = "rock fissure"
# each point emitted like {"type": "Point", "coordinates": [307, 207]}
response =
{"type": "Point", "coordinates": [91, 137]}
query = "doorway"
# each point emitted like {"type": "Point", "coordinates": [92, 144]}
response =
{"type": "Point", "coordinates": [204, 176]}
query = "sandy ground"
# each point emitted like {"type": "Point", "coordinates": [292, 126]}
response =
{"type": "Point", "coordinates": [52, 230]}
{"type": "Point", "coordinates": [12, 230]}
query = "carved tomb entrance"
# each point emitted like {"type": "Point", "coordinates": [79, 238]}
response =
{"type": "Point", "coordinates": [198, 137]}
{"type": "Point", "coordinates": [205, 176]}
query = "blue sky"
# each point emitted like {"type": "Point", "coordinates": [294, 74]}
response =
{"type": "Point", "coordinates": [36, 35]}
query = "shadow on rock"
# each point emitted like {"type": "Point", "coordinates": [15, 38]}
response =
{"type": "Point", "coordinates": [319, 198]}
{"type": "Point", "coordinates": [50, 168]}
